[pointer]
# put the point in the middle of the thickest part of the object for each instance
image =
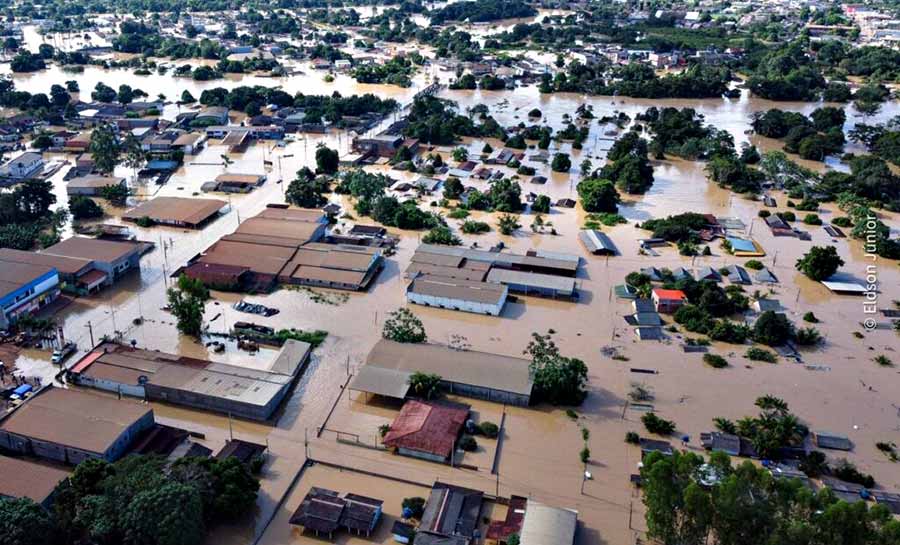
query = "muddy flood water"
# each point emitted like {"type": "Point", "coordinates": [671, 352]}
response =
{"type": "Point", "coordinates": [838, 387]}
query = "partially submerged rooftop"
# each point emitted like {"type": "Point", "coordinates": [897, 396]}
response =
{"type": "Point", "coordinates": [179, 211]}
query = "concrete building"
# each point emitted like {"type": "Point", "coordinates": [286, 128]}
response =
{"type": "Point", "coordinates": [91, 185]}
{"type": "Point", "coordinates": [546, 525]}
{"type": "Point", "coordinates": [70, 426]}
{"type": "Point", "coordinates": [108, 260]}
{"type": "Point", "coordinates": [21, 167]}
{"type": "Point", "coordinates": [527, 283]}
{"type": "Point", "coordinates": [536, 261]}
{"type": "Point", "coordinates": [457, 294]}
{"type": "Point", "coordinates": [27, 479]}
{"type": "Point", "coordinates": [177, 211]}
{"type": "Point", "coordinates": [668, 301]}
{"type": "Point", "coordinates": [254, 394]}
{"type": "Point", "coordinates": [479, 375]}
{"type": "Point", "coordinates": [384, 145]}
{"type": "Point", "coordinates": [280, 245]}
{"type": "Point", "coordinates": [24, 288]}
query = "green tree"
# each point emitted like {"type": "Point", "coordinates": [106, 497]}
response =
{"type": "Point", "coordinates": [820, 262]}
{"type": "Point", "coordinates": [104, 148]}
{"type": "Point", "coordinates": [460, 154]}
{"type": "Point", "coordinates": [453, 188]}
{"type": "Point", "coordinates": [772, 328]}
{"type": "Point", "coordinates": [425, 385]}
{"type": "Point", "coordinates": [441, 234]}
{"type": "Point", "coordinates": [508, 223]}
{"type": "Point", "coordinates": [327, 160]}
{"type": "Point", "coordinates": [23, 522]}
{"type": "Point", "coordinates": [187, 302]}
{"type": "Point", "coordinates": [561, 162]}
{"type": "Point", "coordinates": [307, 191]}
{"type": "Point", "coordinates": [226, 487]}
{"type": "Point", "coordinates": [557, 379]}
{"type": "Point", "coordinates": [403, 326]}
{"type": "Point", "coordinates": [598, 195]}
{"type": "Point", "coordinates": [82, 207]}
{"type": "Point", "coordinates": [134, 155]}
{"type": "Point", "coordinates": [679, 511]}
{"type": "Point", "coordinates": [169, 515]}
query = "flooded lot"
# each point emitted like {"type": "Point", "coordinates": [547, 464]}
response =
{"type": "Point", "coordinates": [843, 391]}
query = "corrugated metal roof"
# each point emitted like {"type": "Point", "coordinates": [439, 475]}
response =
{"type": "Point", "coordinates": [545, 525]}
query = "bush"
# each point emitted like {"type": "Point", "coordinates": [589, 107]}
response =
{"type": "Point", "coordinates": [441, 235]}
{"type": "Point", "coordinates": [812, 219]}
{"type": "Point", "coordinates": [715, 361]}
{"type": "Point", "coordinates": [632, 437]}
{"type": "Point", "coordinates": [471, 227]}
{"type": "Point", "coordinates": [754, 264]}
{"type": "Point", "coordinates": [808, 336]}
{"type": "Point", "coordinates": [760, 354]}
{"type": "Point", "coordinates": [459, 214]}
{"type": "Point", "coordinates": [846, 471]}
{"type": "Point", "coordinates": [415, 506]}
{"type": "Point", "coordinates": [657, 425]}
{"type": "Point", "coordinates": [811, 318]}
{"type": "Point", "coordinates": [787, 216]}
{"type": "Point", "coordinates": [764, 213]}
{"type": "Point", "coordinates": [772, 329]}
{"type": "Point", "coordinates": [842, 222]}
{"type": "Point", "coordinates": [467, 443]}
{"type": "Point", "coordinates": [489, 430]}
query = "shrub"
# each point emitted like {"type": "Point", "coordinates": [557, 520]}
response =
{"type": "Point", "coordinates": [808, 336]}
{"type": "Point", "coordinates": [764, 213]}
{"type": "Point", "coordinates": [787, 216]}
{"type": "Point", "coordinates": [632, 437]}
{"type": "Point", "coordinates": [471, 227]}
{"type": "Point", "coordinates": [715, 361]}
{"type": "Point", "coordinates": [459, 214]}
{"type": "Point", "coordinates": [846, 471]}
{"type": "Point", "coordinates": [467, 443]}
{"type": "Point", "coordinates": [415, 506]}
{"type": "Point", "coordinates": [441, 235]}
{"type": "Point", "coordinates": [760, 354]}
{"type": "Point", "coordinates": [812, 219]}
{"type": "Point", "coordinates": [754, 264]}
{"type": "Point", "coordinates": [883, 361]}
{"type": "Point", "coordinates": [842, 222]}
{"type": "Point", "coordinates": [811, 318]}
{"type": "Point", "coordinates": [772, 329]}
{"type": "Point", "coordinates": [489, 430]}
{"type": "Point", "coordinates": [657, 425]}
{"type": "Point", "coordinates": [584, 455]}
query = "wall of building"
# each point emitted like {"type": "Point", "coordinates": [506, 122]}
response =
{"type": "Point", "coordinates": [422, 455]}
{"type": "Point", "coordinates": [455, 304]}
{"type": "Point", "coordinates": [215, 404]}
{"type": "Point", "coordinates": [489, 394]}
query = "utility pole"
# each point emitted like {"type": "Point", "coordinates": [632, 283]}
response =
{"type": "Point", "coordinates": [230, 428]}
{"type": "Point", "coordinates": [91, 332]}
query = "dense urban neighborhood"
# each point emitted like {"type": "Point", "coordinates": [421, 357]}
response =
{"type": "Point", "coordinates": [451, 272]}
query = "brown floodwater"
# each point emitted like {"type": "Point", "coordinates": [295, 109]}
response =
{"type": "Point", "coordinates": [844, 392]}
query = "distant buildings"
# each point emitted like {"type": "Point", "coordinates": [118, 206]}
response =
{"type": "Point", "coordinates": [92, 185]}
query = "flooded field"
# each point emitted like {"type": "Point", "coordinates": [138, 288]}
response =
{"type": "Point", "coordinates": [839, 389]}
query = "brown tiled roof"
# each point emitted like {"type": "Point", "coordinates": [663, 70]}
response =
{"type": "Point", "coordinates": [427, 427]}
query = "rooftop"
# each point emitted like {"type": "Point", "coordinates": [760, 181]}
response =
{"type": "Point", "coordinates": [459, 289]}
{"type": "Point", "coordinates": [180, 210]}
{"type": "Point", "coordinates": [74, 418]}
{"type": "Point", "coordinates": [15, 274]}
{"type": "Point", "coordinates": [107, 251]}
{"type": "Point", "coordinates": [545, 525]}
{"type": "Point", "coordinates": [493, 371]}
{"type": "Point", "coordinates": [26, 479]}
{"type": "Point", "coordinates": [427, 427]}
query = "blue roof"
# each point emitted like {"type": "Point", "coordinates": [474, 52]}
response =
{"type": "Point", "coordinates": [23, 389]}
{"type": "Point", "coordinates": [741, 244]}
{"type": "Point", "coordinates": [160, 164]}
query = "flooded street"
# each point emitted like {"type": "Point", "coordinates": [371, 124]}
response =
{"type": "Point", "coordinates": [839, 389]}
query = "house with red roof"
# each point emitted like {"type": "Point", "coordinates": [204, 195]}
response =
{"type": "Point", "coordinates": [668, 301]}
{"type": "Point", "coordinates": [427, 429]}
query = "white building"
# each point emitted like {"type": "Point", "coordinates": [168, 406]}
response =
{"type": "Point", "coordinates": [22, 167]}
